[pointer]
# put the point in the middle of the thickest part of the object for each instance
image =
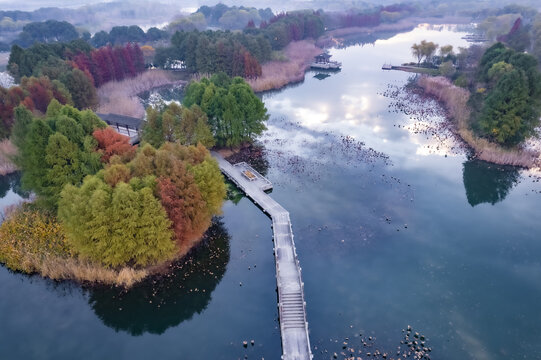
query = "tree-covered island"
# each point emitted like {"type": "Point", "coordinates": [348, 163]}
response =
{"type": "Point", "coordinates": [105, 210]}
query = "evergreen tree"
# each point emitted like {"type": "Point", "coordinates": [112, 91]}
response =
{"type": "Point", "coordinates": [53, 109]}
{"type": "Point", "coordinates": [33, 161]}
{"type": "Point", "coordinates": [511, 109]}
{"type": "Point", "coordinates": [234, 113]}
{"type": "Point", "coordinates": [64, 167]}
{"type": "Point", "coordinates": [23, 119]}
{"type": "Point", "coordinates": [81, 89]}
{"type": "Point", "coordinates": [152, 132]}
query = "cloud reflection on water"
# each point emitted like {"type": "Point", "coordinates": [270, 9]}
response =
{"type": "Point", "coordinates": [351, 102]}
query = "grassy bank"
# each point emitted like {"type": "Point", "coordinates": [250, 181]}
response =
{"type": "Point", "coordinates": [455, 100]}
{"type": "Point", "coordinates": [277, 74]}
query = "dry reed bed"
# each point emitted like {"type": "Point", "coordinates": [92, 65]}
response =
{"type": "Point", "coordinates": [7, 152]}
{"type": "Point", "coordinates": [277, 74]}
{"type": "Point", "coordinates": [71, 268]}
{"type": "Point", "coordinates": [58, 268]}
{"type": "Point", "coordinates": [120, 97]}
{"type": "Point", "coordinates": [455, 100]}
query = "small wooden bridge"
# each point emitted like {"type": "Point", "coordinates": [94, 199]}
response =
{"type": "Point", "coordinates": [125, 125]}
{"type": "Point", "coordinates": [291, 304]}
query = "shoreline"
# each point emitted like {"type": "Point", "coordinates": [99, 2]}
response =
{"type": "Point", "coordinates": [86, 273]}
{"type": "Point", "coordinates": [120, 97]}
{"type": "Point", "coordinates": [278, 74]}
{"type": "Point", "coordinates": [407, 24]}
{"type": "Point", "coordinates": [454, 100]}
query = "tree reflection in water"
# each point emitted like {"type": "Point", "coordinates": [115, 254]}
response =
{"type": "Point", "coordinates": [166, 300]}
{"type": "Point", "coordinates": [488, 183]}
{"type": "Point", "coordinates": [12, 181]}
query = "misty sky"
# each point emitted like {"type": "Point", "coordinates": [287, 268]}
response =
{"type": "Point", "coordinates": [35, 4]}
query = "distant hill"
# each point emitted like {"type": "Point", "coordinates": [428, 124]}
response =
{"type": "Point", "coordinates": [99, 16]}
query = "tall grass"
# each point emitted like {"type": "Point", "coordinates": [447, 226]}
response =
{"type": "Point", "coordinates": [33, 241]}
{"type": "Point", "coordinates": [58, 268]}
{"type": "Point", "coordinates": [455, 100]}
{"type": "Point", "coordinates": [120, 97]}
{"type": "Point", "coordinates": [7, 152]}
{"type": "Point", "coordinates": [276, 74]}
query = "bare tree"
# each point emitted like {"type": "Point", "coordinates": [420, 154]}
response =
{"type": "Point", "coordinates": [417, 52]}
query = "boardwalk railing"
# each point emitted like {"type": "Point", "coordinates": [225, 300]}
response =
{"type": "Point", "coordinates": [291, 304]}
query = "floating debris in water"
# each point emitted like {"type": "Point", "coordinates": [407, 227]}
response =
{"type": "Point", "coordinates": [414, 346]}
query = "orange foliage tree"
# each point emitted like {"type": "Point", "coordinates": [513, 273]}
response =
{"type": "Point", "coordinates": [112, 143]}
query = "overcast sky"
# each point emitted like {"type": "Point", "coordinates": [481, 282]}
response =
{"type": "Point", "coordinates": [35, 4]}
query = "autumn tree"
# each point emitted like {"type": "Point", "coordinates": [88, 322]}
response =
{"type": "Point", "coordinates": [34, 93]}
{"type": "Point", "coordinates": [190, 186]}
{"type": "Point", "coordinates": [446, 50]}
{"type": "Point", "coordinates": [112, 143]}
{"type": "Point", "coordinates": [425, 49]}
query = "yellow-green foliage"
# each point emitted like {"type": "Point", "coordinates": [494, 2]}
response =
{"type": "Point", "coordinates": [124, 225]}
{"type": "Point", "coordinates": [211, 184]}
{"type": "Point", "coordinates": [28, 237]}
{"type": "Point", "coordinates": [32, 241]}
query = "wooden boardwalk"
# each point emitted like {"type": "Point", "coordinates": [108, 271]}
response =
{"type": "Point", "coordinates": [291, 304]}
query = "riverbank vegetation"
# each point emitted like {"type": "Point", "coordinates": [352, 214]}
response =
{"type": "Point", "coordinates": [498, 105]}
{"type": "Point", "coordinates": [456, 101]}
{"type": "Point", "coordinates": [33, 241]}
{"type": "Point", "coordinates": [34, 93]}
{"type": "Point", "coordinates": [297, 57]}
{"type": "Point", "coordinates": [120, 97]}
{"type": "Point", "coordinates": [507, 97]}
{"type": "Point", "coordinates": [69, 72]}
{"type": "Point", "coordinates": [105, 210]}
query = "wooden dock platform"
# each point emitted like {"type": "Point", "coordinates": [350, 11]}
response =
{"type": "Point", "coordinates": [291, 304]}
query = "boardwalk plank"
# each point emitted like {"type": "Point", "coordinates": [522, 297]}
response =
{"type": "Point", "coordinates": [291, 304]}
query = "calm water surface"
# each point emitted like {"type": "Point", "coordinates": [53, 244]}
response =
{"type": "Point", "coordinates": [393, 228]}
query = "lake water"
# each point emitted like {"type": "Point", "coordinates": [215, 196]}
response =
{"type": "Point", "coordinates": [395, 226]}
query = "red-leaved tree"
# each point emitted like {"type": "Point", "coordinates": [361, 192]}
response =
{"type": "Point", "coordinates": [112, 143]}
{"type": "Point", "coordinates": [173, 205]}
